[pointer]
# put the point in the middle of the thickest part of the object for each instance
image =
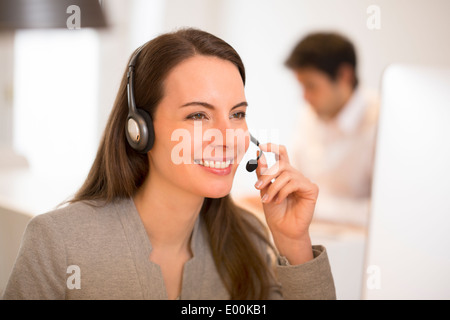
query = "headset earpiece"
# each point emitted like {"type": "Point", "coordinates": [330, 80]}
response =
{"type": "Point", "coordinates": [139, 126]}
{"type": "Point", "coordinates": [139, 131]}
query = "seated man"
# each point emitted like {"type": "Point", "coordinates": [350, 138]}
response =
{"type": "Point", "coordinates": [335, 142]}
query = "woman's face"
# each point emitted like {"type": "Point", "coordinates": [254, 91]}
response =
{"type": "Point", "coordinates": [200, 127]}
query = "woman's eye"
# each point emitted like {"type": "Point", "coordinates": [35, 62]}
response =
{"type": "Point", "coordinates": [197, 116]}
{"type": "Point", "coordinates": [239, 115]}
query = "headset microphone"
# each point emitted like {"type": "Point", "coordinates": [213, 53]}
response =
{"type": "Point", "coordinates": [253, 163]}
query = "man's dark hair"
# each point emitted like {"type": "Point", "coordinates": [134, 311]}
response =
{"type": "Point", "coordinates": [326, 52]}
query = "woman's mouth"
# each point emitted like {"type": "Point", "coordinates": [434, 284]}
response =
{"type": "Point", "coordinates": [215, 166]}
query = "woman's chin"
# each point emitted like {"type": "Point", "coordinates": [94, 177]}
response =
{"type": "Point", "coordinates": [216, 193]}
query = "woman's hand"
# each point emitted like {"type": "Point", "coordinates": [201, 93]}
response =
{"type": "Point", "coordinates": [289, 201]}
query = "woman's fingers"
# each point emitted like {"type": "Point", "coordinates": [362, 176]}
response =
{"type": "Point", "coordinates": [302, 187]}
{"type": "Point", "coordinates": [270, 181]}
{"type": "Point", "coordinates": [267, 175]}
{"type": "Point", "coordinates": [276, 187]}
{"type": "Point", "coordinates": [262, 165]}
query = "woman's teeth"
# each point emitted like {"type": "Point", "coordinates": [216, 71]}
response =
{"type": "Point", "coordinates": [214, 164]}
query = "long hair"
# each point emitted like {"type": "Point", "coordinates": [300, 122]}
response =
{"type": "Point", "coordinates": [118, 171]}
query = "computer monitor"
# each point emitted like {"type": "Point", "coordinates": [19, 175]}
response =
{"type": "Point", "coordinates": [408, 249]}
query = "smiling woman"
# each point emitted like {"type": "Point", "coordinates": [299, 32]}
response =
{"type": "Point", "coordinates": [170, 230]}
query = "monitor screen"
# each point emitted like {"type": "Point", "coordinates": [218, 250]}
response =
{"type": "Point", "coordinates": [408, 247]}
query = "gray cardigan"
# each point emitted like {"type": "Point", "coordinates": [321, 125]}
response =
{"type": "Point", "coordinates": [86, 252]}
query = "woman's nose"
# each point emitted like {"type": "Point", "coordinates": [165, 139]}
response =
{"type": "Point", "coordinates": [223, 124]}
{"type": "Point", "coordinates": [225, 134]}
{"type": "Point", "coordinates": [221, 127]}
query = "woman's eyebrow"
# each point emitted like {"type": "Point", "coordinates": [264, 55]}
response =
{"type": "Point", "coordinates": [210, 106]}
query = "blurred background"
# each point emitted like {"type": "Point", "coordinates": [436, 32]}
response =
{"type": "Point", "coordinates": [57, 87]}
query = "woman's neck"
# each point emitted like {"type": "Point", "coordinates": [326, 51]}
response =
{"type": "Point", "coordinates": [168, 213]}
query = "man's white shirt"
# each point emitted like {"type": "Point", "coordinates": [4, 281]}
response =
{"type": "Point", "coordinates": [338, 156]}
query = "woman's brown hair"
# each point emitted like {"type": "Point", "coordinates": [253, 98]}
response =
{"type": "Point", "coordinates": [118, 171]}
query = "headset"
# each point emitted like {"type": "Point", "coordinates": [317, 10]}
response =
{"type": "Point", "coordinates": [139, 126]}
